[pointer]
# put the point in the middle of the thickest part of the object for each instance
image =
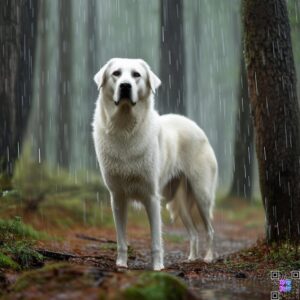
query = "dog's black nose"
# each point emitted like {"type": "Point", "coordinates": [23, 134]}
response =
{"type": "Point", "coordinates": [125, 86]}
{"type": "Point", "coordinates": [125, 91]}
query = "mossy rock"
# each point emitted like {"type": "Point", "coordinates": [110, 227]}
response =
{"type": "Point", "coordinates": [146, 285]}
{"type": "Point", "coordinates": [156, 286]}
{"type": "Point", "coordinates": [61, 273]}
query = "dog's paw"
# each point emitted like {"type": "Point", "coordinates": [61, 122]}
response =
{"type": "Point", "coordinates": [208, 257]}
{"type": "Point", "coordinates": [191, 258]}
{"type": "Point", "coordinates": [158, 267]}
{"type": "Point", "coordinates": [121, 263]}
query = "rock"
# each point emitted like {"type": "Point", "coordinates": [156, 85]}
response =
{"type": "Point", "coordinates": [240, 275]}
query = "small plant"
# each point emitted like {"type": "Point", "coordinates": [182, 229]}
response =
{"type": "Point", "coordinates": [24, 255]}
{"type": "Point", "coordinates": [16, 240]}
{"type": "Point", "coordinates": [7, 263]}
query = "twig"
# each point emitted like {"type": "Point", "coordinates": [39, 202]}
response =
{"type": "Point", "coordinates": [89, 238]}
{"type": "Point", "coordinates": [55, 254]}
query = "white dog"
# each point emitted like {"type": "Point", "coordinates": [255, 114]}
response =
{"type": "Point", "coordinates": [145, 157]}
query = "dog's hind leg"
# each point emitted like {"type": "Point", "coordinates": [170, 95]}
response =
{"type": "Point", "coordinates": [119, 208]}
{"type": "Point", "coordinates": [204, 201]}
{"type": "Point", "coordinates": [180, 206]}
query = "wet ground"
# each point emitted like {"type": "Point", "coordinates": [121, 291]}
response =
{"type": "Point", "coordinates": [94, 248]}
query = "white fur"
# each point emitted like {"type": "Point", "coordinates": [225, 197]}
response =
{"type": "Point", "coordinates": [141, 153]}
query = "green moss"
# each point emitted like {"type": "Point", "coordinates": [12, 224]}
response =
{"type": "Point", "coordinates": [41, 276]}
{"type": "Point", "coordinates": [154, 285]}
{"type": "Point", "coordinates": [7, 263]}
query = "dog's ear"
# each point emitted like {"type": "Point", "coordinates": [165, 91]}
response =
{"type": "Point", "coordinates": [154, 81]}
{"type": "Point", "coordinates": [99, 77]}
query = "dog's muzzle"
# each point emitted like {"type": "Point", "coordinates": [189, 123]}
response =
{"type": "Point", "coordinates": [125, 93]}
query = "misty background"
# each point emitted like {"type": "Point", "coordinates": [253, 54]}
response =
{"type": "Point", "coordinates": [75, 38]}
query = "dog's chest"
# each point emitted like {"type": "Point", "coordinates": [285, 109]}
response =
{"type": "Point", "coordinates": [127, 170]}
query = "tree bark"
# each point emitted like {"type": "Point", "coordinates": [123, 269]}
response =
{"type": "Point", "coordinates": [18, 20]}
{"type": "Point", "coordinates": [272, 86]}
{"type": "Point", "coordinates": [64, 88]}
{"type": "Point", "coordinates": [172, 58]}
{"type": "Point", "coordinates": [243, 148]}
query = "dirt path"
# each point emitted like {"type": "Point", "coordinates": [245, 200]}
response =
{"type": "Point", "coordinates": [94, 248]}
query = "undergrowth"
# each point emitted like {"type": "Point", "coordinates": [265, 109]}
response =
{"type": "Point", "coordinates": [16, 245]}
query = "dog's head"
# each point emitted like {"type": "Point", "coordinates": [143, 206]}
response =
{"type": "Point", "coordinates": [126, 80]}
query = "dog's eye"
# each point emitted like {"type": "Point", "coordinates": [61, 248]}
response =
{"type": "Point", "coordinates": [116, 73]}
{"type": "Point", "coordinates": [136, 74]}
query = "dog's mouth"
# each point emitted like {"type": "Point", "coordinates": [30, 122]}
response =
{"type": "Point", "coordinates": [125, 100]}
{"type": "Point", "coordinates": [125, 96]}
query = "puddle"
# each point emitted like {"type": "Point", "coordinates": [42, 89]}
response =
{"type": "Point", "coordinates": [238, 289]}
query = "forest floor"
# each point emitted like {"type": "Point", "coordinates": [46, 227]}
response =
{"type": "Point", "coordinates": [80, 258]}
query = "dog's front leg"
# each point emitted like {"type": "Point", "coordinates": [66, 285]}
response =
{"type": "Point", "coordinates": [153, 211]}
{"type": "Point", "coordinates": [119, 208]}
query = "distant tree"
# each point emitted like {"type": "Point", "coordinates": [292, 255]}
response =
{"type": "Point", "coordinates": [42, 77]}
{"type": "Point", "coordinates": [172, 61]}
{"type": "Point", "coordinates": [92, 68]}
{"type": "Point", "coordinates": [18, 20]}
{"type": "Point", "coordinates": [64, 82]}
{"type": "Point", "coordinates": [272, 86]}
{"type": "Point", "coordinates": [244, 141]}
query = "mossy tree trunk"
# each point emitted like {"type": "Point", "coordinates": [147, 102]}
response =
{"type": "Point", "coordinates": [244, 142]}
{"type": "Point", "coordinates": [17, 39]}
{"type": "Point", "coordinates": [172, 59]}
{"type": "Point", "coordinates": [272, 86]}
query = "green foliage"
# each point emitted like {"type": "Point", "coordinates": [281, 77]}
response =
{"type": "Point", "coordinates": [23, 253]}
{"type": "Point", "coordinates": [16, 240]}
{"type": "Point", "coordinates": [35, 181]}
{"type": "Point", "coordinates": [7, 263]}
{"type": "Point", "coordinates": [158, 286]}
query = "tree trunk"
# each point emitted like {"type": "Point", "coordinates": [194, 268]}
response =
{"type": "Point", "coordinates": [272, 86]}
{"type": "Point", "coordinates": [17, 39]}
{"type": "Point", "coordinates": [43, 85]}
{"type": "Point", "coordinates": [172, 57]}
{"type": "Point", "coordinates": [64, 78]}
{"type": "Point", "coordinates": [243, 148]}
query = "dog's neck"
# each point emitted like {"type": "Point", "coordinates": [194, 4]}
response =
{"type": "Point", "coordinates": [125, 120]}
